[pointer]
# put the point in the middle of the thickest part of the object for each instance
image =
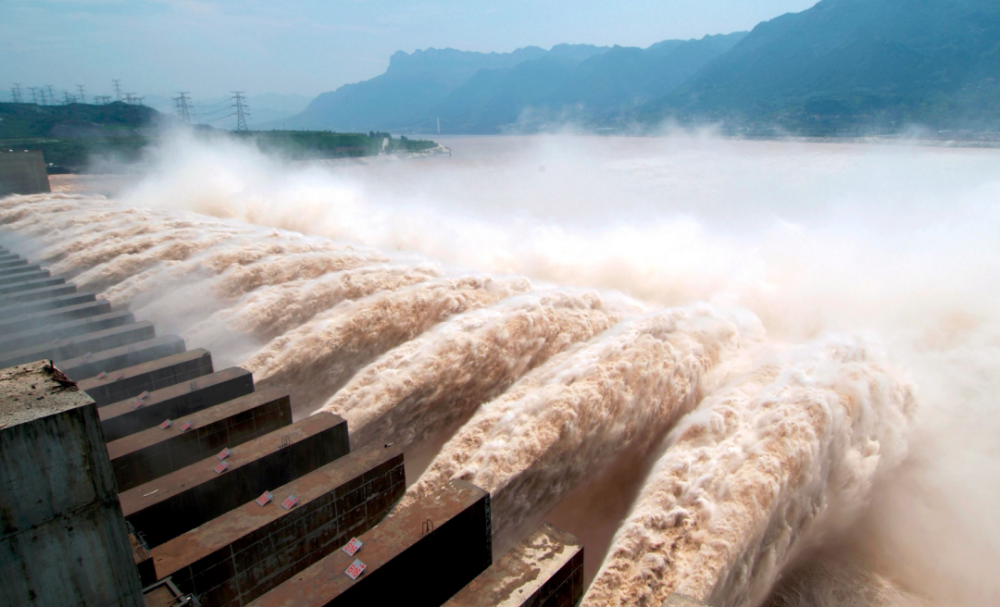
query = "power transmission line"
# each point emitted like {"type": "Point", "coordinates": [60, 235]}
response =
{"type": "Point", "coordinates": [182, 107]}
{"type": "Point", "coordinates": [15, 92]}
{"type": "Point", "coordinates": [34, 94]}
{"type": "Point", "coordinates": [83, 97]}
{"type": "Point", "coordinates": [241, 112]}
{"type": "Point", "coordinates": [118, 89]}
{"type": "Point", "coordinates": [67, 99]}
{"type": "Point", "coordinates": [52, 96]}
{"type": "Point", "coordinates": [42, 96]}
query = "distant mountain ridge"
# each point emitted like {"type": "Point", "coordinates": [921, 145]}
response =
{"type": "Point", "coordinates": [863, 65]}
{"type": "Point", "coordinates": [414, 84]}
{"type": "Point", "coordinates": [840, 67]}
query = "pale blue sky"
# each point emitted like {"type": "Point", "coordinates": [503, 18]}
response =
{"type": "Point", "coordinates": [310, 46]}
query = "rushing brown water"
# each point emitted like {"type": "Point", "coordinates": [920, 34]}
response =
{"type": "Point", "coordinates": [531, 316]}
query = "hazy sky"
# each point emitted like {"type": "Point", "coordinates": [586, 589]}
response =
{"type": "Point", "coordinates": [310, 46]}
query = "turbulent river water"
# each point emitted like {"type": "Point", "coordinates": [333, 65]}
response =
{"type": "Point", "coordinates": [751, 372]}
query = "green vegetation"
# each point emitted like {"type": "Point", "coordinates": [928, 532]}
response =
{"type": "Point", "coordinates": [303, 145]}
{"type": "Point", "coordinates": [72, 136]}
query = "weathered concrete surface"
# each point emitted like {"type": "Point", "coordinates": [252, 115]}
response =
{"type": "Point", "coordinates": [11, 311]}
{"type": "Point", "coordinates": [149, 376]}
{"type": "Point", "coordinates": [18, 265]}
{"type": "Point", "coordinates": [150, 454]}
{"type": "Point", "coordinates": [81, 326]}
{"type": "Point", "coordinates": [33, 295]}
{"type": "Point", "coordinates": [50, 317]}
{"type": "Point", "coordinates": [63, 538]}
{"type": "Point", "coordinates": [79, 345]}
{"type": "Point", "coordinates": [174, 402]}
{"type": "Point", "coordinates": [115, 359]}
{"type": "Point", "coordinates": [16, 277]}
{"type": "Point", "coordinates": [23, 172]}
{"type": "Point", "coordinates": [545, 570]}
{"type": "Point", "coordinates": [406, 563]}
{"type": "Point", "coordinates": [29, 285]}
{"type": "Point", "coordinates": [180, 501]}
{"type": "Point", "coordinates": [232, 560]}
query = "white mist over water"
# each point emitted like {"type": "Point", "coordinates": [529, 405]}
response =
{"type": "Point", "coordinates": [896, 243]}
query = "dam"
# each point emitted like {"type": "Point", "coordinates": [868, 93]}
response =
{"type": "Point", "coordinates": [645, 451]}
{"type": "Point", "coordinates": [158, 481]}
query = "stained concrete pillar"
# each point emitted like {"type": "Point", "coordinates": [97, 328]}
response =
{"type": "Point", "coordinates": [12, 288]}
{"type": "Point", "coordinates": [72, 347]}
{"type": "Point", "coordinates": [91, 364]}
{"type": "Point", "coordinates": [23, 276]}
{"type": "Point", "coordinates": [38, 320]}
{"type": "Point", "coordinates": [37, 336]}
{"type": "Point", "coordinates": [233, 559]}
{"type": "Point", "coordinates": [36, 294]}
{"type": "Point", "coordinates": [9, 311]}
{"type": "Point", "coordinates": [180, 501]}
{"type": "Point", "coordinates": [62, 535]}
{"type": "Point", "coordinates": [418, 556]}
{"type": "Point", "coordinates": [545, 570]}
{"type": "Point", "coordinates": [149, 376]}
{"type": "Point", "coordinates": [174, 402]}
{"type": "Point", "coordinates": [144, 456]}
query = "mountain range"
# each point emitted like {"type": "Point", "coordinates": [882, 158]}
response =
{"type": "Point", "coordinates": [842, 66]}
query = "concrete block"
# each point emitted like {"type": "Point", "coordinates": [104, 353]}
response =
{"type": "Point", "coordinates": [174, 402]}
{"type": "Point", "coordinates": [92, 364]}
{"type": "Point", "coordinates": [63, 539]}
{"type": "Point", "coordinates": [54, 316]}
{"type": "Point", "coordinates": [23, 276]}
{"type": "Point", "coordinates": [141, 457]}
{"type": "Point", "coordinates": [41, 335]}
{"type": "Point", "coordinates": [33, 295]}
{"type": "Point", "coordinates": [419, 556]}
{"type": "Point", "coordinates": [239, 556]}
{"type": "Point", "coordinates": [30, 285]}
{"type": "Point", "coordinates": [148, 377]}
{"type": "Point", "coordinates": [10, 311]}
{"type": "Point", "coordinates": [545, 570]}
{"type": "Point", "coordinates": [180, 501]}
{"type": "Point", "coordinates": [23, 172]}
{"type": "Point", "coordinates": [17, 267]}
{"type": "Point", "coordinates": [71, 347]}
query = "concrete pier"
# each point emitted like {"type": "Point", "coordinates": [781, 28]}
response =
{"type": "Point", "coordinates": [150, 454]}
{"type": "Point", "coordinates": [50, 317]}
{"type": "Point", "coordinates": [115, 359]}
{"type": "Point", "coordinates": [545, 570]}
{"type": "Point", "coordinates": [150, 376]}
{"type": "Point", "coordinates": [18, 265]}
{"type": "Point", "coordinates": [232, 560]}
{"type": "Point", "coordinates": [419, 556]}
{"type": "Point", "coordinates": [79, 345]}
{"type": "Point", "coordinates": [9, 311]}
{"type": "Point", "coordinates": [175, 402]}
{"type": "Point", "coordinates": [32, 295]}
{"type": "Point", "coordinates": [63, 539]}
{"type": "Point", "coordinates": [180, 501]}
{"type": "Point", "coordinates": [23, 276]}
{"type": "Point", "coordinates": [40, 335]}
{"type": "Point", "coordinates": [29, 285]}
